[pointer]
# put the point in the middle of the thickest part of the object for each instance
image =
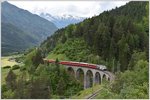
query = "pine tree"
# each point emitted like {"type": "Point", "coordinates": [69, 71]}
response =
{"type": "Point", "coordinates": [61, 87]}
{"type": "Point", "coordinates": [11, 80]}
{"type": "Point", "coordinates": [123, 53]}
{"type": "Point", "coordinates": [57, 67]}
{"type": "Point", "coordinates": [37, 58]}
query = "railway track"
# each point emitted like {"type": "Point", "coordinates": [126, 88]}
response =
{"type": "Point", "coordinates": [93, 95]}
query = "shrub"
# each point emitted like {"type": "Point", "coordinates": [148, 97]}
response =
{"type": "Point", "coordinates": [5, 67]}
{"type": "Point", "coordinates": [22, 68]}
{"type": "Point", "coordinates": [15, 67]}
{"type": "Point", "coordinates": [4, 88]}
{"type": "Point", "coordinates": [8, 94]}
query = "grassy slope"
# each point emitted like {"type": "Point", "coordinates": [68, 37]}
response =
{"type": "Point", "coordinates": [83, 94]}
{"type": "Point", "coordinates": [5, 62]}
{"type": "Point", "coordinates": [73, 49]}
{"type": "Point", "coordinates": [59, 56]}
{"type": "Point", "coordinates": [4, 73]}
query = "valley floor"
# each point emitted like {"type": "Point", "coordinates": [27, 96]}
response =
{"type": "Point", "coordinates": [8, 60]}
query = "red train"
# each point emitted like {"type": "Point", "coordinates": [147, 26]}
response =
{"type": "Point", "coordinates": [79, 64]}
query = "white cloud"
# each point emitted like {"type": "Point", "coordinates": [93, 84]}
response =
{"type": "Point", "coordinates": [76, 8]}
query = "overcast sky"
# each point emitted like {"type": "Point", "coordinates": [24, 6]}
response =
{"type": "Point", "coordinates": [76, 8]}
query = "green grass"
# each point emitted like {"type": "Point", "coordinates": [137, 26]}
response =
{"type": "Point", "coordinates": [74, 50]}
{"type": "Point", "coordinates": [59, 56]}
{"type": "Point", "coordinates": [83, 94]}
{"type": "Point", "coordinates": [5, 60]}
{"type": "Point", "coordinates": [4, 73]}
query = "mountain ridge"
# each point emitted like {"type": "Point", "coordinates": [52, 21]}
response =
{"type": "Point", "coordinates": [35, 27]}
{"type": "Point", "coordinates": [62, 21]}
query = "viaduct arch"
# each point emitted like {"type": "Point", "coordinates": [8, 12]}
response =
{"type": "Point", "coordinates": [88, 77]}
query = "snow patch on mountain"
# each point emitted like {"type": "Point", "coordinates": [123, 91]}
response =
{"type": "Point", "coordinates": [63, 20]}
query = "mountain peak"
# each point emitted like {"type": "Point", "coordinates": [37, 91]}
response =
{"type": "Point", "coordinates": [62, 20]}
{"type": "Point", "coordinates": [5, 2]}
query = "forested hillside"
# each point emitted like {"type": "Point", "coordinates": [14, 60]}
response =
{"type": "Point", "coordinates": [117, 38]}
{"type": "Point", "coordinates": [22, 29]}
{"type": "Point", "coordinates": [110, 38]}
{"type": "Point", "coordinates": [14, 39]}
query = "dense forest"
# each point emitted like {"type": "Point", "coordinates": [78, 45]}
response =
{"type": "Point", "coordinates": [111, 37]}
{"type": "Point", "coordinates": [117, 38]}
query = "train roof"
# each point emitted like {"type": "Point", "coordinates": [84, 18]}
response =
{"type": "Point", "coordinates": [79, 63]}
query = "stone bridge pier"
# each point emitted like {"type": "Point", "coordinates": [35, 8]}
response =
{"type": "Point", "coordinates": [89, 77]}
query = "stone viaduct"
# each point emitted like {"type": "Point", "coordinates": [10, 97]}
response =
{"type": "Point", "coordinates": [89, 76]}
